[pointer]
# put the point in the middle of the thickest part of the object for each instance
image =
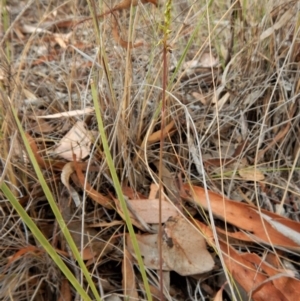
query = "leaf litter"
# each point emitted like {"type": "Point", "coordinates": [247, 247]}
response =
{"type": "Point", "coordinates": [232, 126]}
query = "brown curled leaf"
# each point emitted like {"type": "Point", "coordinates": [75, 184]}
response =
{"type": "Point", "coordinates": [155, 137]}
{"type": "Point", "coordinates": [57, 165]}
{"type": "Point", "coordinates": [91, 192]}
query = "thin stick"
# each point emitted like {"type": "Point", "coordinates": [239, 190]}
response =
{"type": "Point", "coordinates": [163, 112]}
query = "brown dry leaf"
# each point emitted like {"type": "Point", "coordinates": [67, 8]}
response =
{"type": "Point", "coordinates": [56, 165]}
{"type": "Point", "coordinates": [289, 286]}
{"type": "Point", "coordinates": [251, 174]}
{"type": "Point", "coordinates": [131, 194]}
{"type": "Point", "coordinates": [155, 292]}
{"type": "Point", "coordinates": [65, 291]}
{"type": "Point", "coordinates": [22, 252]}
{"type": "Point", "coordinates": [246, 273]}
{"type": "Point", "coordinates": [77, 141]}
{"type": "Point", "coordinates": [245, 217]}
{"type": "Point", "coordinates": [35, 151]}
{"type": "Point", "coordinates": [184, 248]}
{"type": "Point", "coordinates": [128, 279]}
{"type": "Point", "coordinates": [44, 59]}
{"type": "Point", "coordinates": [149, 250]}
{"type": "Point", "coordinates": [68, 170]}
{"type": "Point", "coordinates": [41, 126]}
{"type": "Point", "coordinates": [91, 192]}
{"type": "Point", "coordinates": [155, 137]}
{"type": "Point", "coordinates": [248, 276]}
{"type": "Point", "coordinates": [217, 162]}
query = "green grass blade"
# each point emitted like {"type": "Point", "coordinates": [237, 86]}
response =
{"type": "Point", "coordinates": [56, 211]}
{"type": "Point", "coordinates": [118, 189]}
{"type": "Point", "coordinates": [43, 241]}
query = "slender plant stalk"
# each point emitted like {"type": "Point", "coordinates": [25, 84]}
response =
{"type": "Point", "coordinates": [166, 32]}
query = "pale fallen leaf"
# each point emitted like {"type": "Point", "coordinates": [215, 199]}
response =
{"type": "Point", "coordinates": [251, 174]}
{"type": "Point", "coordinates": [207, 60]}
{"type": "Point", "coordinates": [286, 231]}
{"type": "Point", "coordinates": [113, 297]}
{"type": "Point", "coordinates": [287, 16]}
{"type": "Point", "coordinates": [62, 39]}
{"type": "Point", "coordinates": [29, 94]}
{"type": "Point", "coordinates": [148, 210]}
{"type": "Point", "coordinates": [184, 248]}
{"type": "Point", "coordinates": [154, 188]}
{"type": "Point", "coordinates": [134, 217]}
{"type": "Point", "coordinates": [220, 103]}
{"type": "Point", "coordinates": [73, 113]}
{"type": "Point", "coordinates": [77, 141]}
{"type": "Point", "coordinates": [67, 170]}
{"type": "Point", "coordinates": [149, 250]}
{"type": "Point", "coordinates": [189, 66]}
{"type": "Point", "coordinates": [200, 97]}
{"type": "Point", "coordinates": [34, 29]}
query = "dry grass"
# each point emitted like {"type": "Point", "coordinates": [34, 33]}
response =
{"type": "Point", "coordinates": [244, 111]}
